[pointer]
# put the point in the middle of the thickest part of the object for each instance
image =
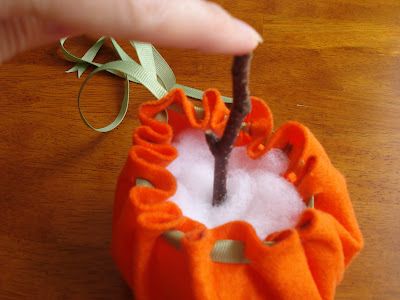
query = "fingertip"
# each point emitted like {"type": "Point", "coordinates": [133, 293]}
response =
{"type": "Point", "coordinates": [235, 37]}
{"type": "Point", "coordinates": [220, 32]}
{"type": "Point", "coordinates": [249, 32]}
{"type": "Point", "coordinates": [199, 25]}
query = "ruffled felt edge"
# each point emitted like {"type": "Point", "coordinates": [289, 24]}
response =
{"type": "Point", "coordinates": [326, 233]}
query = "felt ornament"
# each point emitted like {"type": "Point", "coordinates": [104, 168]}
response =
{"type": "Point", "coordinates": [164, 255]}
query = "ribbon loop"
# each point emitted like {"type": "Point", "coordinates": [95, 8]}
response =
{"type": "Point", "coordinates": [153, 72]}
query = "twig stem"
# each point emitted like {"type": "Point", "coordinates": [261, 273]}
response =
{"type": "Point", "coordinates": [222, 148]}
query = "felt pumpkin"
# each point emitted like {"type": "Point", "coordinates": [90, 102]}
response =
{"type": "Point", "coordinates": [164, 255]}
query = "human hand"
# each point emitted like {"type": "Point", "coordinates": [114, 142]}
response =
{"type": "Point", "coordinates": [194, 24]}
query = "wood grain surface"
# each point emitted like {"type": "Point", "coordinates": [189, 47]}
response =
{"type": "Point", "coordinates": [330, 64]}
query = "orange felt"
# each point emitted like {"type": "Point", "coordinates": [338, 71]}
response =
{"type": "Point", "coordinates": [306, 262]}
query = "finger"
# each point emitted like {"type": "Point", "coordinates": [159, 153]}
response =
{"type": "Point", "coordinates": [193, 24]}
{"type": "Point", "coordinates": [20, 33]}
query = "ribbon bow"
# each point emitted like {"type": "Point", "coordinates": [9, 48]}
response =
{"type": "Point", "coordinates": [153, 72]}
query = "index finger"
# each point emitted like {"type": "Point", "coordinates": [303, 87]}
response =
{"type": "Point", "coordinates": [194, 24]}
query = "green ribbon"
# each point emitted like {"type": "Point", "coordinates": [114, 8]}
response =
{"type": "Point", "coordinates": [223, 251]}
{"type": "Point", "coordinates": [153, 72]}
{"type": "Point", "coordinates": [311, 202]}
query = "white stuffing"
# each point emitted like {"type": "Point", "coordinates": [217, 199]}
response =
{"type": "Point", "coordinates": [256, 191]}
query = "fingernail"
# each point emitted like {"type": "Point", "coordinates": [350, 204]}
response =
{"type": "Point", "coordinates": [247, 28]}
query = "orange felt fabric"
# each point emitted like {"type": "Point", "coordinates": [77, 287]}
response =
{"type": "Point", "coordinates": [306, 262]}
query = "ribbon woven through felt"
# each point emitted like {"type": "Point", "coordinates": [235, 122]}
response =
{"type": "Point", "coordinates": [305, 262]}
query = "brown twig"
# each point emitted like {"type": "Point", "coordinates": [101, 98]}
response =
{"type": "Point", "coordinates": [241, 106]}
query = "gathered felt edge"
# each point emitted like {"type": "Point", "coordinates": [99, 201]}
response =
{"type": "Point", "coordinates": [153, 151]}
{"type": "Point", "coordinates": [223, 251]}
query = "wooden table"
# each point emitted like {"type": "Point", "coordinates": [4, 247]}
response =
{"type": "Point", "coordinates": [333, 65]}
